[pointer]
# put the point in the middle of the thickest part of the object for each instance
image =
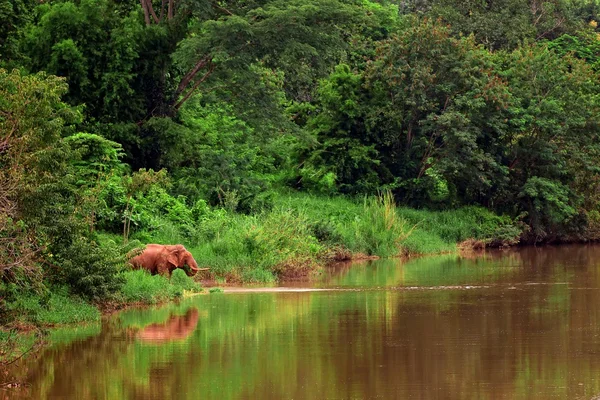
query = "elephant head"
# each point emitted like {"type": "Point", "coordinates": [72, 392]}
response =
{"type": "Point", "coordinates": [179, 257]}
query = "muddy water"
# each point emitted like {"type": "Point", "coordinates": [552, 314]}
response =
{"type": "Point", "coordinates": [514, 325]}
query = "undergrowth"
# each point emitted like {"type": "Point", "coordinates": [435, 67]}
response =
{"type": "Point", "coordinates": [141, 287]}
{"type": "Point", "coordinates": [52, 308]}
{"type": "Point", "coordinates": [301, 232]}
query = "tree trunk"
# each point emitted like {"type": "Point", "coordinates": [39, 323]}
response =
{"type": "Point", "coordinates": [170, 10]}
{"type": "Point", "coordinates": [146, 15]}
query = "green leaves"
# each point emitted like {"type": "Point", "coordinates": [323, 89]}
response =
{"type": "Point", "coordinates": [551, 203]}
{"type": "Point", "coordinates": [95, 49]}
{"type": "Point", "coordinates": [426, 100]}
{"type": "Point", "coordinates": [48, 181]}
{"type": "Point", "coordinates": [443, 121]}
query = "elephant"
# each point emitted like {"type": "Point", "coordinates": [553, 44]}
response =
{"type": "Point", "coordinates": [176, 328]}
{"type": "Point", "coordinates": [163, 259]}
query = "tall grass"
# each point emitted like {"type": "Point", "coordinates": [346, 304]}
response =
{"type": "Point", "coordinates": [53, 308]}
{"type": "Point", "coordinates": [259, 248]}
{"type": "Point", "coordinates": [142, 287]}
{"type": "Point", "coordinates": [455, 226]}
{"type": "Point", "coordinates": [296, 236]}
{"type": "Point", "coordinates": [378, 230]}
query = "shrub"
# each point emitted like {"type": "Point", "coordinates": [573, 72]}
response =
{"type": "Point", "coordinates": [90, 270]}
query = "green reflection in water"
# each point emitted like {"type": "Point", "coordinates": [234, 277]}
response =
{"type": "Point", "coordinates": [65, 335]}
{"type": "Point", "coordinates": [505, 339]}
{"type": "Point", "coordinates": [443, 270]}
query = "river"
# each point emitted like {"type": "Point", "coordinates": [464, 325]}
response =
{"type": "Point", "coordinates": [516, 324]}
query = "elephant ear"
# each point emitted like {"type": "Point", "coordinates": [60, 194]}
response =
{"type": "Point", "coordinates": [173, 257]}
{"type": "Point", "coordinates": [176, 255]}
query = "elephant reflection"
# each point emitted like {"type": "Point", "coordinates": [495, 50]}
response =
{"type": "Point", "coordinates": [178, 327]}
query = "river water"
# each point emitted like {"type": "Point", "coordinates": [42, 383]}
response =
{"type": "Point", "coordinates": [517, 324]}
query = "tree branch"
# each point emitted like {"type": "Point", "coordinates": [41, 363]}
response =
{"type": "Point", "coordinates": [185, 81]}
{"type": "Point", "coordinates": [151, 9]}
{"type": "Point", "coordinates": [162, 9]}
{"type": "Point", "coordinates": [193, 89]}
{"type": "Point", "coordinates": [223, 9]}
{"type": "Point", "coordinates": [171, 10]}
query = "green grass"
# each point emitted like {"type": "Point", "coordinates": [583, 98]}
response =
{"type": "Point", "coordinates": [142, 287]}
{"type": "Point", "coordinates": [301, 231]}
{"type": "Point", "coordinates": [421, 241]}
{"type": "Point", "coordinates": [454, 226]}
{"type": "Point", "coordinates": [257, 248]}
{"type": "Point", "coordinates": [339, 220]}
{"type": "Point", "coordinates": [55, 308]}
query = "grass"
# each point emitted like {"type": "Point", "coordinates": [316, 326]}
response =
{"type": "Point", "coordinates": [455, 226]}
{"type": "Point", "coordinates": [298, 235]}
{"type": "Point", "coordinates": [259, 249]}
{"type": "Point", "coordinates": [54, 308]}
{"type": "Point", "coordinates": [301, 232]}
{"type": "Point", "coordinates": [378, 230]}
{"type": "Point", "coordinates": [141, 287]}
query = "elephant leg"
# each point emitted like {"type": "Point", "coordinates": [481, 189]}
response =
{"type": "Point", "coordinates": [163, 269]}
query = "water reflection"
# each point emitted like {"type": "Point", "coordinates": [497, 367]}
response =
{"type": "Point", "coordinates": [176, 328]}
{"type": "Point", "coordinates": [530, 331]}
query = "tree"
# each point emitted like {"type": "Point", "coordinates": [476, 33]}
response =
{"type": "Point", "coordinates": [15, 15]}
{"type": "Point", "coordinates": [41, 209]}
{"type": "Point", "coordinates": [97, 51]}
{"type": "Point", "coordinates": [504, 24]}
{"type": "Point", "coordinates": [551, 148]}
{"type": "Point", "coordinates": [423, 118]}
{"type": "Point", "coordinates": [31, 119]}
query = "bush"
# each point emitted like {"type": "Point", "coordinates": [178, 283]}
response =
{"type": "Point", "coordinates": [90, 270]}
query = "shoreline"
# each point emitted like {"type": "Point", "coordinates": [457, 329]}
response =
{"type": "Point", "coordinates": [107, 309]}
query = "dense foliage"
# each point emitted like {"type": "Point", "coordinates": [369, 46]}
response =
{"type": "Point", "coordinates": [193, 120]}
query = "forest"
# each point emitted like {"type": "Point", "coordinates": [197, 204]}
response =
{"type": "Point", "coordinates": [273, 136]}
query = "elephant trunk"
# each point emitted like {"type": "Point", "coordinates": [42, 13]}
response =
{"type": "Point", "coordinates": [193, 267]}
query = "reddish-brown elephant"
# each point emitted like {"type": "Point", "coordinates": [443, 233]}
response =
{"type": "Point", "coordinates": [163, 259]}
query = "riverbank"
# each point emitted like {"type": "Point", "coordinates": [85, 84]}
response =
{"type": "Point", "coordinates": [299, 233]}
{"type": "Point", "coordinates": [38, 313]}
{"type": "Point", "coordinates": [295, 237]}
